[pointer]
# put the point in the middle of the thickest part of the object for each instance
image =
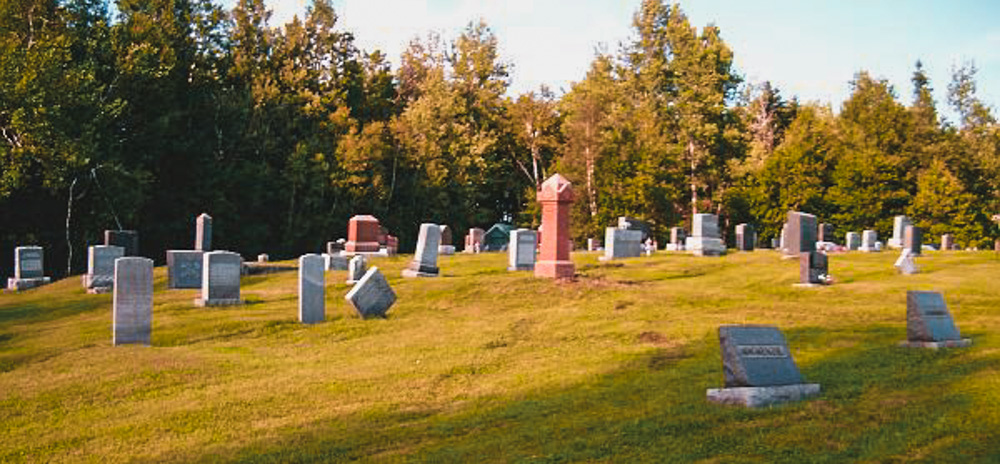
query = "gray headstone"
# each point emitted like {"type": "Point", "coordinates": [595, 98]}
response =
{"type": "Point", "coordinates": [220, 279]}
{"type": "Point", "coordinates": [705, 225]}
{"type": "Point", "coordinates": [677, 235]}
{"type": "Point", "coordinates": [622, 243]}
{"type": "Point", "coordinates": [905, 264]}
{"type": "Point", "coordinates": [132, 311]}
{"type": "Point", "coordinates": [853, 241]}
{"type": "Point", "coordinates": [29, 262]}
{"type": "Point", "coordinates": [101, 265]}
{"type": "Point", "coordinates": [127, 239]}
{"type": "Point", "coordinates": [521, 250]}
{"type": "Point", "coordinates": [371, 296]}
{"type": "Point", "coordinates": [312, 289]}
{"type": "Point", "coordinates": [869, 238]}
{"type": "Point", "coordinates": [203, 233]}
{"type": "Point", "coordinates": [802, 231]}
{"type": "Point", "coordinates": [746, 237]}
{"type": "Point", "coordinates": [928, 319]}
{"type": "Point", "coordinates": [913, 239]}
{"type": "Point", "coordinates": [813, 268]}
{"type": "Point", "coordinates": [424, 263]}
{"type": "Point", "coordinates": [899, 224]}
{"type": "Point", "coordinates": [355, 269]}
{"type": "Point", "coordinates": [824, 233]}
{"type": "Point", "coordinates": [947, 242]}
{"type": "Point", "coordinates": [756, 356]}
{"type": "Point", "coordinates": [184, 268]}
{"type": "Point", "coordinates": [335, 262]}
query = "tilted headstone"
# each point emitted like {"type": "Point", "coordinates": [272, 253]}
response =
{"type": "Point", "coordinates": [29, 268]}
{"type": "Point", "coordinates": [184, 268]}
{"type": "Point", "coordinates": [355, 269]}
{"type": "Point", "coordinates": [127, 239]}
{"type": "Point", "coordinates": [913, 239]}
{"type": "Point", "coordinates": [899, 224]}
{"type": "Point", "coordinates": [947, 242]}
{"type": "Point", "coordinates": [758, 368]}
{"type": "Point", "coordinates": [100, 276]}
{"type": "Point", "coordinates": [905, 263]}
{"type": "Point", "coordinates": [622, 243]}
{"type": "Point", "coordinates": [220, 281]}
{"type": "Point", "coordinates": [746, 237]}
{"type": "Point", "coordinates": [813, 268]}
{"type": "Point", "coordinates": [853, 241]}
{"type": "Point", "coordinates": [371, 296]}
{"type": "Point", "coordinates": [929, 323]}
{"type": "Point", "coordinates": [704, 239]}
{"type": "Point", "coordinates": [869, 241]}
{"type": "Point", "coordinates": [802, 231]}
{"type": "Point", "coordinates": [521, 250]}
{"type": "Point", "coordinates": [424, 262]}
{"type": "Point", "coordinates": [132, 301]}
{"type": "Point", "coordinates": [312, 289]}
{"type": "Point", "coordinates": [335, 262]}
{"type": "Point", "coordinates": [203, 233]}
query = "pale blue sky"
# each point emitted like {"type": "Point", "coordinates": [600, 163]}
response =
{"type": "Point", "coordinates": [809, 49]}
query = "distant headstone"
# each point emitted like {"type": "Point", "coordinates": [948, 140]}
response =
{"type": "Point", "coordinates": [621, 243]}
{"type": "Point", "coordinates": [853, 241]}
{"type": "Point", "coordinates": [705, 239]}
{"type": "Point", "coordinates": [869, 241]}
{"type": "Point", "coordinates": [446, 248]}
{"type": "Point", "coordinates": [905, 264]}
{"type": "Point", "coordinates": [928, 322]}
{"type": "Point", "coordinates": [802, 233]}
{"type": "Point", "coordinates": [363, 233]}
{"type": "Point", "coordinates": [334, 248]}
{"type": "Point", "coordinates": [220, 279]}
{"type": "Point", "coordinates": [263, 258]}
{"type": "Point", "coordinates": [947, 242]}
{"type": "Point", "coordinates": [335, 262]}
{"type": "Point", "coordinates": [824, 233]}
{"type": "Point", "coordinates": [813, 268]}
{"type": "Point", "coordinates": [629, 223]}
{"type": "Point", "coordinates": [132, 301]}
{"type": "Point", "coordinates": [746, 237]}
{"type": "Point", "coordinates": [312, 289]}
{"type": "Point", "coordinates": [424, 263]}
{"type": "Point", "coordinates": [758, 368]}
{"type": "Point", "coordinates": [474, 240]}
{"type": "Point", "coordinates": [677, 236]}
{"type": "Point", "coordinates": [184, 268]}
{"type": "Point", "coordinates": [127, 239]}
{"type": "Point", "coordinates": [899, 224]}
{"type": "Point", "coordinates": [355, 269]}
{"type": "Point", "coordinates": [592, 244]}
{"type": "Point", "coordinates": [521, 250]}
{"type": "Point", "coordinates": [29, 269]}
{"type": "Point", "coordinates": [100, 276]}
{"type": "Point", "coordinates": [203, 232]}
{"type": "Point", "coordinates": [913, 239]}
{"type": "Point", "coordinates": [784, 238]}
{"type": "Point", "coordinates": [556, 198]}
{"type": "Point", "coordinates": [371, 296]}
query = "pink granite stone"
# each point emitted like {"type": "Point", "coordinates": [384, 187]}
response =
{"type": "Point", "coordinates": [362, 234]}
{"type": "Point", "coordinates": [556, 198]}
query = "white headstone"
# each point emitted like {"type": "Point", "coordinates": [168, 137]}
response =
{"type": "Point", "coordinates": [521, 250]}
{"type": "Point", "coordinates": [355, 269]}
{"type": "Point", "coordinates": [220, 279]}
{"type": "Point", "coordinates": [905, 263]}
{"type": "Point", "coordinates": [203, 233]}
{"type": "Point", "coordinates": [100, 275]}
{"type": "Point", "coordinates": [424, 263]}
{"type": "Point", "coordinates": [312, 289]}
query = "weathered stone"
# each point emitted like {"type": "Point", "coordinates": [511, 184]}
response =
{"type": "Point", "coordinates": [203, 232]}
{"type": "Point", "coordinates": [424, 263]}
{"type": "Point", "coordinates": [474, 240]}
{"type": "Point", "coordinates": [802, 231]}
{"type": "Point", "coordinates": [29, 269]}
{"type": "Point", "coordinates": [929, 321]}
{"type": "Point", "coordinates": [100, 276]}
{"type": "Point", "coordinates": [220, 279]}
{"type": "Point", "coordinates": [621, 243]}
{"type": "Point", "coordinates": [705, 225]}
{"type": "Point", "coordinates": [335, 262]}
{"type": "Point", "coordinates": [905, 264]}
{"type": "Point", "coordinates": [371, 296]}
{"type": "Point", "coordinates": [312, 289]}
{"type": "Point", "coordinates": [869, 239]}
{"type": "Point", "coordinates": [756, 356]}
{"type": "Point", "coordinates": [813, 268]}
{"type": "Point", "coordinates": [677, 236]}
{"type": "Point", "coordinates": [853, 241]}
{"type": "Point", "coordinates": [184, 268]}
{"type": "Point", "coordinates": [783, 243]}
{"type": "Point", "coordinates": [132, 301]}
{"type": "Point", "coordinates": [446, 248]}
{"type": "Point", "coordinates": [899, 224]}
{"type": "Point", "coordinates": [746, 237]}
{"type": "Point", "coordinates": [947, 242]}
{"type": "Point", "coordinates": [629, 223]}
{"type": "Point", "coordinates": [521, 251]}
{"type": "Point", "coordinates": [556, 197]}
{"type": "Point", "coordinates": [356, 269]}
{"type": "Point", "coordinates": [363, 235]}
{"type": "Point", "coordinates": [127, 239]}
{"type": "Point", "coordinates": [913, 239]}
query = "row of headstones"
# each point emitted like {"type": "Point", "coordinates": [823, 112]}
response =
{"type": "Point", "coordinates": [29, 262]}
{"type": "Point", "coordinates": [759, 370]}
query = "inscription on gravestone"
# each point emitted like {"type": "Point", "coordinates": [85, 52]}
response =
{"type": "Point", "coordinates": [371, 296]}
{"type": "Point", "coordinates": [756, 356]}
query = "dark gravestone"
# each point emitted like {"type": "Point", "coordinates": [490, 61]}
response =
{"type": "Point", "coordinates": [746, 237]}
{"type": "Point", "coordinates": [629, 223]}
{"type": "Point", "coordinates": [928, 322]}
{"type": "Point", "coordinates": [127, 239]}
{"type": "Point", "coordinates": [801, 233]}
{"type": "Point", "coordinates": [677, 235]}
{"type": "Point", "coordinates": [184, 268]}
{"type": "Point", "coordinates": [913, 239]}
{"type": "Point", "coordinates": [446, 235]}
{"type": "Point", "coordinates": [756, 356]}
{"type": "Point", "coordinates": [813, 268]}
{"type": "Point", "coordinates": [824, 233]}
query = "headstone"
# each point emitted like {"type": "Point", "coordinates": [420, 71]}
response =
{"type": "Point", "coordinates": [758, 368]}
{"type": "Point", "coordinates": [334, 248]}
{"type": "Point", "coordinates": [592, 244]}
{"type": "Point", "coordinates": [220, 279]}
{"type": "Point", "coordinates": [203, 232]}
{"type": "Point", "coordinates": [556, 197]}
{"type": "Point", "coordinates": [913, 239]}
{"type": "Point", "coordinates": [621, 243]}
{"type": "Point", "coordinates": [29, 269]}
{"type": "Point", "coordinates": [362, 235]}
{"type": "Point", "coordinates": [446, 248]}
{"type": "Point", "coordinates": [784, 238]}
{"type": "Point", "coordinates": [263, 258]}
{"type": "Point", "coordinates": [100, 276]}
{"type": "Point", "coordinates": [371, 296]}
{"type": "Point", "coordinates": [746, 237]}
{"type": "Point", "coordinates": [312, 289]}
{"type": "Point", "coordinates": [905, 264]}
{"type": "Point", "coordinates": [132, 301]}
{"type": "Point", "coordinates": [184, 268]}
{"type": "Point", "coordinates": [947, 242]}
{"type": "Point", "coordinates": [899, 224]}
{"type": "Point", "coordinates": [424, 263]}
{"type": "Point", "coordinates": [853, 241]}
{"type": "Point", "coordinates": [824, 233]}
{"type": "Point", "coordinates": [677, 237]}
{"type": "Point", "coordinates": [629, 223]}
{"type": "Point", "coordinates": [869, 241]}
{"type": "Point", "coordinates": [335, 262]}
{"type": "Point", "coordinates": [521, 250]}
{"type": "Point", "coordinates": [355, 269]}
{"type": "Point", "coordinates": [705, 239]}
{"type": "Point", "coordinates": [127, 239]}
{"type": "Point", "coordinates": [775, 243]}
{"type": "Point", "coordinates": [801, 233]}
{"type": "Point", "coordinates": [813, 268]}
{"type": "Point", "coordinates": [474, 240]}
{"type": "Point", "coordinates": [928, 322]}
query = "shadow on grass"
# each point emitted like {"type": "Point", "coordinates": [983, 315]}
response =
{"type": "Point", "coordinates": [879, 403]}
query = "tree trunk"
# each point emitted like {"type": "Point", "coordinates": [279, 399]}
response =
{"type": "Point", "coordinates": [694, 187]}
{"type": "Point", "coordinates": [588, 154]}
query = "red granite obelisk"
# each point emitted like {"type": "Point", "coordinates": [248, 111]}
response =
{"type": "Point", "coordinates": [556, 198]}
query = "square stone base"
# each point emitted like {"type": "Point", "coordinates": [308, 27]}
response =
{"type": "Point", "coordinates": [413, 273]}
{"type": "Point", "coordinates": [523, 267]}
{"type": "Point", "coordinates": [25, 284]}
{"type": "Point", "coordinates": [963, 343]}
{"type": "Point", "coordinates": [755, 397]}
{"type": "Point", "coordinates": [801, 285]}
{"type": "Point", "coordinates": [201, 303]}
{"type": "Point", "coordinates": [555, 269]}
{"type": "Point", "coordinates": [446, 250]}
{"type": "Point", "coordinates": [705, 246]}
{"type": "Point", "coordinates": [99, 290]}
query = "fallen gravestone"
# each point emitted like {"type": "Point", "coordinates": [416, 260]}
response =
{"type": "Point", "coordinates": [132, 301]}
{"type": "Point", "coordinates": [220, 279]}
{"type": "Point", "coordinates": [929, 323]}
{"type": "Point", "coordinates": [424, 263]}
{"type": "Point", "coordinates": [184, 268]}
{"type": "Point", "coordinates": [29, 269]}
{"type": "Point", "coordinates": [355, 269]}
{"type": "Point", "coordinates": [100, 276]}
{"type": "Point", "coordinates": [312, 289]}
{"type": "Point", "coordinates": [521, 250]}
{"type": "Point", "coordinates": [905, 263]}
{"type": "Point", "coordinates": [371, 296]}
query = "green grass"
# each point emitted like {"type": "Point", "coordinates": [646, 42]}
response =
{"type": "Point", "coordinates": [482, 364]}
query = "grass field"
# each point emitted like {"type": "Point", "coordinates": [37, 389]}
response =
{"type": "Point", "coordinates": [485, 365]}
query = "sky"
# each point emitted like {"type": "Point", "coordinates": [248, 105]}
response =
{"type": "Point", "coordinates": [807, 48]}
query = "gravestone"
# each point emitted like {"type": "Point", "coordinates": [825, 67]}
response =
{"type": "Point", "coordinates": [556, 198]}
{"type": "Point", "coordinates": [312, 289]}
{"type": "Point", "coordinates": [869, 239]}
{"type": "Point", "coordinates": [446, 248]}
{"type": "Point", "coordinates": [784, 238]}
{"type": "Point", "coordinates": [203, 233]}
{"type": "Point", "coordinates": [899, 224]}
{"type": "Point", "coordinates": [371, 296]}
{"type": "Point", "coordinates": [263, 258]}
{"type": "Point", "coordinates": [424, 263]}
{"type": "Point", "coordinates": [913, 239]}
{"type": "Point", "coordinates": [853, 241]}
{"type": "Point", "coordinates": [127, 239]}
{"type": "Point", "coordinates": [334, 248]}
{"type": "Point", "coordinates": [705, 239]}
{"type": "Point", "coordinates": [593, 244]}
{"type": "Point", "coordinates": [521, 250]}
{"type": "Point", "coordinates": [621, 243]}
{"type": "Point", "coordinates": [29, 269]}
{"type": "Point", "coordinates": [929, 323]}
{"type": "Point", "coordinates": [629, 223]}
{"type": "Point", "coordinates": [813, 269]}
{"type": "Point", "coordinates": [100, 276]}
{"type": "Point", "coordinates": [334, 262]}
{"type": "Point", "coordinates": [746, 237]}
{"type": "Point", "coordinates": [758, 368]}
{"type": "Point", "coordinates": [220, 279]}
{"type": "Point", "coordinates": [362, 235]}
{"type": "Point", "coordinates": [801, 234]}
{"type": "Point", "coordinates": [355, 269]}
{"type": "Point", "coordinates": [905, 263]}
{"type": "Point", "coordinates": [474, 240]}
{"type": "Point", "coordinates": [677, 238]}
{"type": "Point", "coordinates": [824, 233]}
{"type": "Point", "coordinates": [184, 268]}
{"type": "Point", "coordinates": [947, 242]}
{"type": "Point", "coordinates": [132, 301]}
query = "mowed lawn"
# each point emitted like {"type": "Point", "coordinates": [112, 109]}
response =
{"type": "Point", "coordinates": [486, 365]}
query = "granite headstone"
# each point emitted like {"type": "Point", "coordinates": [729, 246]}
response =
{"type": "Point", "coordinates": [132, 301]}
{"type": "Point", "coordinates": [312, 289]}
{"type": "Point", "coordinates": [371, 296]}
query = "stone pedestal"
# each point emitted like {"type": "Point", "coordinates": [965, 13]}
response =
{"type": "Point", "coordinates": [132, 303]}
{"type": "Point", "coordinates": [220, 282]}
{"type": "Point", "coordinates": [424, 263]}
{"type": "Point", "coordinates": [556, 197]}
{"type": "Point", "coordinates": [521, 250]}
{"type": "Point", "coordinates": [362, 235]}
{"type": "Point", "coordinates": [312, 289]}
{"type": "Point", "coordinates": [203, 232]}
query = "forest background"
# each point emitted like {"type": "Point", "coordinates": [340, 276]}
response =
{"type": "Point", "coordinates": [144, 113]}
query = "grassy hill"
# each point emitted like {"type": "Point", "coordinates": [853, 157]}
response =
{"type": "Point", "coordinates": [482, 364]}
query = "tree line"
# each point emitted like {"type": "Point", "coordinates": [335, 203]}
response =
{"type": "Point", "coordinates": [145, 115]}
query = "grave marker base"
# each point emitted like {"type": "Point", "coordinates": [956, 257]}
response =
{"type": "Point", "coordinates": [963, 343]}
{"type": "Point", "coordinates": [18, 285]}
{"type": "Point", "coordinates": [202, 303]}
{"type": "Point", "coordinates": [801, 285]}
{"type": "Point", "coordinates": [755, 397]}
